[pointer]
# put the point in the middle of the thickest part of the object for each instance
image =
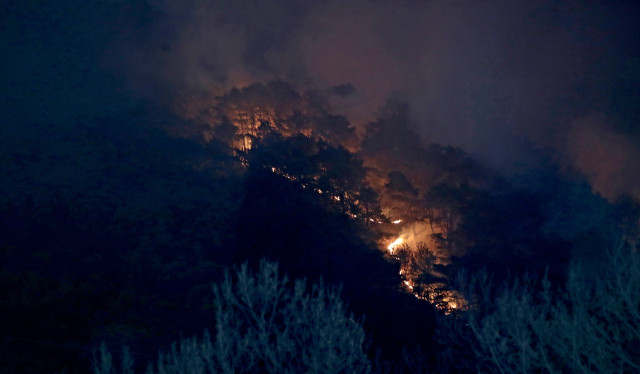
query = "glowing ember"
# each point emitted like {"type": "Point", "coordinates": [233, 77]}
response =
{"type": "Point", "coordinates": [408, 285]}
{"type": "Point", "coordinates": [392, 247]}
{"type": "Point", "coordinates": [397, 221]}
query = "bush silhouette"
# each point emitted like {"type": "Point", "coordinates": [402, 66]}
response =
{"type": "Point", "coordinates": [264, 324]}
{"type": "Point", "coordinates": [592, 326]}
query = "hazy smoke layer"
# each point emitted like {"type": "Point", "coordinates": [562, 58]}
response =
{"type": "Point", "coordinates": [498, 78]}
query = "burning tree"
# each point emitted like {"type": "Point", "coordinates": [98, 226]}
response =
{"type": "Point", "coordinates": [275, 105]}
{"type": "Point", "coordinates": [420, 274]}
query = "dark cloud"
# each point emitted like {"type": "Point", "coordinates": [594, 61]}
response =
{"type": "Point", "coordinates": [497, 78]}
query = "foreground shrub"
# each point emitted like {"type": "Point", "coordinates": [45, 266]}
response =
{"type": "Point", "coordinates": [593, 326]}
{"type": "Point", "coordinates": [266, 325]}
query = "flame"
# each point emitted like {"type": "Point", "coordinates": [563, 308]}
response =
{"type": "Point", "coordinates": [394, 245]}
{"type": "Point", "coordinates": [397, 221]}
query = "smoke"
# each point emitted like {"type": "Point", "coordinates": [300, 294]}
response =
{"type": "Point", "coordinates": [609, 160]}
{"type": "Point", "coordinates": [499, 78]}
{"type": "Point", "coordinates": [200, 46]}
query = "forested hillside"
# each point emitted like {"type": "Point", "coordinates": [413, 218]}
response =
{"type": "Point", "coordinates": [319, 186]}
{"type": "Point", "coordinates": [115, 229]}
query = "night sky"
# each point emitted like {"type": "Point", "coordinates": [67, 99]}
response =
{"type": "Point", "coordinates": [528, 89]}
{"type": "Point", "coordinates": [566, 71]}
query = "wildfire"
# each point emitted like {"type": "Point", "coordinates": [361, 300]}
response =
{"type": "Point", "coordinates": [392, 247]}
{"type": "Point", "coordinates": [248, 119]}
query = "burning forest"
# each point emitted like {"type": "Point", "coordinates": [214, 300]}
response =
{"type": "Point", "coordinates": [296, 136]}
{"type": "Point", "coordinates": [319, 186]}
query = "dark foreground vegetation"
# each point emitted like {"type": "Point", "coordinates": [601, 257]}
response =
{"type": "Point", "coordinates": [265, 326]}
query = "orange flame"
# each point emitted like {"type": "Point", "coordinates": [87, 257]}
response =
{"type": "Point", "coordinates": [392, 247]}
